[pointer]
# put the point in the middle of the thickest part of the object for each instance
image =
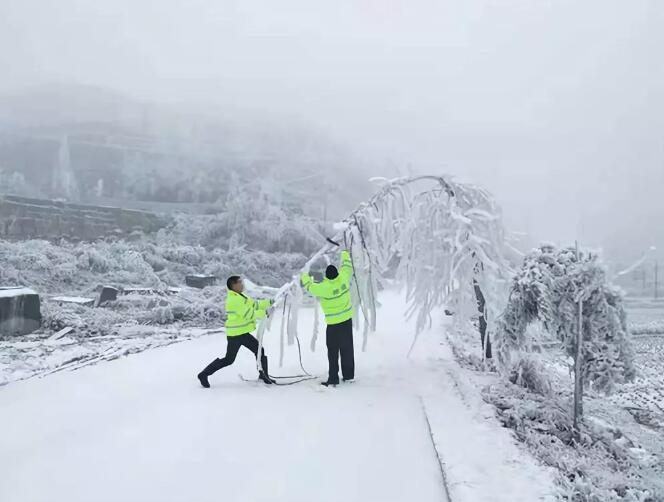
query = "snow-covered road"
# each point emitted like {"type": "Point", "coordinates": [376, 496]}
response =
{"type": "Point", "coordinates": [142, 429]}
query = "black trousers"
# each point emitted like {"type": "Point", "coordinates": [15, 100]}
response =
{"type": "Point", "coordinates": [233, 346]}
{"type": "Point", "coordinates": [339, 341]}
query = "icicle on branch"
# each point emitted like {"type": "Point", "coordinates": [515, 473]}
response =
{"type": "Point", "coordinates": [436, 236]}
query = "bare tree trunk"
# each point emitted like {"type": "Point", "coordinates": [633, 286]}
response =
{"type": "Point", "coordinates": [578, 364]}
{"type": "Point", "coordinates": [481, 307]}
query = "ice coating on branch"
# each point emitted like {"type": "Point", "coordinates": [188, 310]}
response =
{"type": "Point", "coordinates": [314, 335]}
{"type": "Point", "coordinates": [429, 233]}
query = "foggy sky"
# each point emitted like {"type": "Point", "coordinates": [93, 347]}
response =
{"type": "Point", "coordinates": [555, 106]}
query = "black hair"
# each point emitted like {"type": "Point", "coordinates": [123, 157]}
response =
{"type": "Point", "coordinates": [233, 279]}
{"type": "Point", "coordinates": [331, 272]}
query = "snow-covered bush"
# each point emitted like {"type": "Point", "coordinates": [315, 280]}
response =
{"type": "Point", "coordinates": [249, 220]}
{"type": "Point", "coordinates": [548, 288]}
{"type": "Point", "coordinates": [83, 319]}
{"type": "Point", "coordinates": [80, 267]}
{"type": "Point", "coordinates": [528, 372]}
{"type": "Point", "coordinates": [597, 464]}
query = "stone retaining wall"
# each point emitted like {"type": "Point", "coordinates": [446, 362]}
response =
{"type": "Point", "coordinates": [26, 218]}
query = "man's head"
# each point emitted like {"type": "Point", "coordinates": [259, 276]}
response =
{"type": "Point", "coordinates": [331, 272]}
{"type": "Point", "coordinates": [234, 283]}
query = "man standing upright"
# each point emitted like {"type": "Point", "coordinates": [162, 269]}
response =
{"type": "Point", "coordinates": [242, 312]}
{"type": "Point", "coordinates": [335, 299]}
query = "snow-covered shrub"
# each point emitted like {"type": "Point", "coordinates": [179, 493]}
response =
{"type": "Point", "coordinates": [186, 255]}
{"type": "Point", "coordinates": [161, 314]}
{"type": "Point", "coordinates": [597, 464]}
{"type": "Point", "coordinates": [77, 268]}
{"type": "Point", "coordinates": [83, 319]}
{"type": "Point", "coordinates": [463, 342]}
{"type": "Point", "coordinates": [91, 258]}
{"type": "Point", "coordinates": [55, 317]}
{"type": "Point", "coordinates": [252, 220]}
{"type": "Point", "coordinates": [548, 288]}
{"type": "Point", "coordinates": [528, 372]}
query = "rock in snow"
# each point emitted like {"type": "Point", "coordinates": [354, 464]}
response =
{"type": "Point", "coordinates": [19, 311]}
{"type": "Point", "coordinates": [200, 281]}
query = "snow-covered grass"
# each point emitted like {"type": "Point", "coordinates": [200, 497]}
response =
{"type": "Point", "coordinates": [620, 453]}
{"type": "Point", "coordinates": [604, 464]}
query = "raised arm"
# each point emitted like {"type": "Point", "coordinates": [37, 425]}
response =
{"type": "Point", "coordinates": [312, 287]}
{"type": "Point", "coordinates": [346, 271]}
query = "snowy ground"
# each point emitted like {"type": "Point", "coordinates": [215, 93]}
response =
{"type": "Point", "coordinates": [39, 354]}
{"type": "Point", "coordinates": [140, 428]}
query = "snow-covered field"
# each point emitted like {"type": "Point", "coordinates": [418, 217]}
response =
{"type": "Point", "coordinates": [644, 397]}
{"type": "Point", "coordinates": [646, 316]}
{"type": "Point", "coordinates": [140, 428]}
{"type": "Point", "coordinates": [647, 391]}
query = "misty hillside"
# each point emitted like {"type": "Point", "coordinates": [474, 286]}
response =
{"type": "Point", "coordinates": [88, 144]}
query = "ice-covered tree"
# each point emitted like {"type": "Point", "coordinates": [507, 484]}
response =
{"type": "Point", "coordinates": [436, 236]}
{"type": "Point", "coordinates": [548, 288]}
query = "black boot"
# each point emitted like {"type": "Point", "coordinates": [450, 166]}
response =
{"type": "Point", "coordinates": [204, 380]}
{"type": "Point", "coordinates": [262, 376]}
{"type": "Point", "coordinates": [209, 370]}
{"type": "Point", "coordinates": [329, 384]}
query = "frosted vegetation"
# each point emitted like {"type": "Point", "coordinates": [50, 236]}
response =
{"type": "Point", "coordinates": [548, 288]}
{"type": "Point", "coordinates": [613, 456]}
{"type": "Point", "coordinates": [430, 233]}
{"type": "Point", "coordinates": [252, 237]}
{"type": "Point", "coordinates": [438, 238]}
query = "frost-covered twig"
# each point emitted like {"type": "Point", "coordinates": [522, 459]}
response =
{"type": "Point", "coordinates": [436, 236]}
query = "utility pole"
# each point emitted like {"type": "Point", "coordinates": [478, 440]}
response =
{"type": "Point", "coordinates": [656, 279]}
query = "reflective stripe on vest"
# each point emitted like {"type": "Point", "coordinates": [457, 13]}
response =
{"type": "Point", "coordinates": [337, 314]}
{"type": "Point", "coordinates": [334, 297]}
{"type": "Point", "coordinates": [239, 325]}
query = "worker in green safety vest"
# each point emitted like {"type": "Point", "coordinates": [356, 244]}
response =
{"type": "Point", "coordinates": [335, 299]}
{"type": "Point", "coordinates": [242, 312]}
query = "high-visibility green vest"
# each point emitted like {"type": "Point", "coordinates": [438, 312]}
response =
{"type": "Point", "coordinates": [242, 312]}
{"type": "Point", "coordinates": [334, 294]}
